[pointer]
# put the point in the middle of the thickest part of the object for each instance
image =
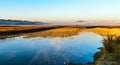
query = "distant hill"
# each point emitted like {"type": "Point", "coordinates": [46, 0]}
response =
{"type": "Point", "coordinates": [81, 21]}
{"type": "Point", "coordinates": [18, 22]}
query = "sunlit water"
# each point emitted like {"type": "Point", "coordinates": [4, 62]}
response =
{"type": "Point", "coordinates": [50, 51]}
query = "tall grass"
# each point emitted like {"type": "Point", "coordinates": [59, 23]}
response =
{"type": "Point", "coordinates": [58, 32]}
{"type": "Point", "coordinates": [112, 46]}
{"type": "Point", "coordinates": [20, 28]}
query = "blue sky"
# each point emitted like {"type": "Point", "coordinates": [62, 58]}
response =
{"type": "Point", "coordinates": [60, 10]}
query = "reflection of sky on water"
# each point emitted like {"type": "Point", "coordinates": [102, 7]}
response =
{"type": "Point", "coordinates": [49, 51]}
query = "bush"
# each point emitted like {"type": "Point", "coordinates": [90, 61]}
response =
{"type": "Point", "coordinates": [112, 46]}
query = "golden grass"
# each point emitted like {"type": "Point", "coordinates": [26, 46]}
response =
{"type": "Point", "coordinates": [105, 31]}
{"type": "Point", "coordinates": [55, 31]}
{"type": "Point", "coordinates": [20, 28]}
{"type": "Point", "coordinates": [58, 32]}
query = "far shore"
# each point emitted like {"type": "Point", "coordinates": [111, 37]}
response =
{"type": "Point", "coordinates": [45, 27]}
{"type": "Point", "coordinates": [56, 31]}
{"type": "Point", "coordinates": [26, 29]}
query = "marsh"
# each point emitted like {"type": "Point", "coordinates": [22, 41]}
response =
{"type": "Point", "coordinates": [57, 46]}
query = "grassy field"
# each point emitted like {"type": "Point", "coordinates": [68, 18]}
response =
{"type": "Point", "coordinates": [21, 28]}
{"type": "Point", "coordinates": [39, 31]}
{"type": "Point", "coordinates": [106, 31]}
{"type": "Point", "coordinates": [58, 32]}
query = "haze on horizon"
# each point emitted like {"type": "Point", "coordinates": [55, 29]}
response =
{"type": "Point", "coordinates": [61, 10]}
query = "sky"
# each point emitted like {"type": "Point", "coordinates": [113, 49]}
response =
{"type": "Point", "coordinates": [61, 10]}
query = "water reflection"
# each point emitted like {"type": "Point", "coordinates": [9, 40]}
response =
{"type": "Point", "coordinates": [50, 51]}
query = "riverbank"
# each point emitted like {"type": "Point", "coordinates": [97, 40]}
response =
{"type": "Point", "coordinates": [110, 53]}
{"type": "Point", "coordinates": [39, 31]}
{"type": "Point", "coordinates": [101, 30]}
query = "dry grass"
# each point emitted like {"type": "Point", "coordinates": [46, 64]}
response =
{"type": "Point", "coordinates": [106, 31]}
{"type": "Point", "coordinates": [21, 28]}
{"type": "Point", "coordinates": [58, 32]}
{"type": "Point", "coordinates": [44, 31]}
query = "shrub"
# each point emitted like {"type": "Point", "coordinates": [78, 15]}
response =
{"type": "Point", "coordinates": [112, 46]}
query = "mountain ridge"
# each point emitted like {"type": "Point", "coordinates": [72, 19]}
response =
{"type": "Point", "coordinates": [19, 22]}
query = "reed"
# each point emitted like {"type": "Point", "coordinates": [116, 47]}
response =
{"type": "Point", "coordinates": [21, 28]}
{"type": "Point", "coordinates": [112, 46]}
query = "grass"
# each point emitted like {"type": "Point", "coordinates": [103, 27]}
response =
{"type": "Point", "coordinates": [14, 31]}
{"type": "Point", "coordinates": [112, 46]}
{"type": "Point", "coordinates": [21, 28]}
{"type": "Point", "coordinates": [39, 31]}
{"type": "Point", "coordinates": [57, 32]}
{"type": "Point", "coordinates": [106, 31]}
{"type": "Point", "coordinates": [110, 53]}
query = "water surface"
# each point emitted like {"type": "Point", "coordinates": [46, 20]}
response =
{"type": "Point", "coordinates": [50, 51]}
